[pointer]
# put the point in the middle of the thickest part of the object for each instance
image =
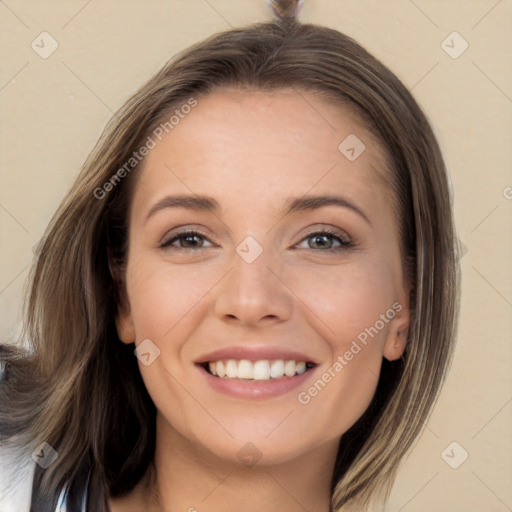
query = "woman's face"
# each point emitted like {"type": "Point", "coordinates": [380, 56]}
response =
{"type": "Point", "coordinates": [260, 285]}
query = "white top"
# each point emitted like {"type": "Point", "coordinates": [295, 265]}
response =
{"type": "Point", "coordinates": [16, 485]}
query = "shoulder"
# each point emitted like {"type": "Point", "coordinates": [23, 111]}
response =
{"type": "Point", "coordinates": [16, 476]}
{"type": "Point", "coordinates": [16, 469]}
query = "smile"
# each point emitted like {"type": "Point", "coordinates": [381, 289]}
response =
{"type": "Point", "coordinates": [261, 370]}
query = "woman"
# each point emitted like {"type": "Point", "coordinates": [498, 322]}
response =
{"type": "Point", "coordinates": [248, 298]}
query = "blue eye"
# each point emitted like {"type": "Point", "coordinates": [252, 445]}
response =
{"type": "Point", "coordinates": [324, 240]}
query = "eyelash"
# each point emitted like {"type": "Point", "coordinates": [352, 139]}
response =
{"type": "Point", "coordinates": [344, 244]}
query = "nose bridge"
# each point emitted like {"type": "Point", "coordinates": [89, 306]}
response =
{"type": "Point", "coordinates": [251, 272]}
{"type": "Point", "coordinates": [251, 291]}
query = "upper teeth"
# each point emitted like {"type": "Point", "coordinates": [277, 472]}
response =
{"type": "Point", "coordinates": [258, 370]}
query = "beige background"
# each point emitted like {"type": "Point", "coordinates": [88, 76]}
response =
{"type": "Point", "coordinates": [54, 109]}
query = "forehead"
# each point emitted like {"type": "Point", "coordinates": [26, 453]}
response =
{"type": "Point", "coordinates": [252, 145]}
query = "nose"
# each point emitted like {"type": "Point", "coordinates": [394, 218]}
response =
{"type": "Point", "coordinates": [254, 293]}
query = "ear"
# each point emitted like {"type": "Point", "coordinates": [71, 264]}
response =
{"type": "Point", "coordinates": [396, 340]}
{"type": "Point", "coordinates": [124, 324]}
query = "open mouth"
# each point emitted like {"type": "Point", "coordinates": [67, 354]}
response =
{"type": "Point", "coordinates": [261, 370]}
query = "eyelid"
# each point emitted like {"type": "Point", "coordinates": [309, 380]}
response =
{"type": "Point", "coordinates": [344, 238]}
{"type": "Point", "coordinates": [329, 229]}
{"type": "Point", "coordinates": [168, 239]}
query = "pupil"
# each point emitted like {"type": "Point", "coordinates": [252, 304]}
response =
{"type": "Point", "coordinates": [322, 240]}
{"type": "Point", "coordinates": [189, 239]}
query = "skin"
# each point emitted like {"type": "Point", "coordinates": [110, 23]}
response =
{"type": "Point", "coordinates": [252, 151]}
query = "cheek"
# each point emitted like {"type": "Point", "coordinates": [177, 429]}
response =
{"type": "Point", "coordinates": [345, 385]}
{"type": "Point", "coordinates": [349, 302]}
{"type": "Point", "coordinates": [348, 305]}
{"type": "Point", "coordinates": [163, 298]}
{"type": "Point", "coordinates": [167, 304]}
{"type": "Point", "coordinates": [339, 396]}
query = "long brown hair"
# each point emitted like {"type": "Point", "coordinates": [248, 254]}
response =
{"type": "Point", "coordinates": [78, 388]}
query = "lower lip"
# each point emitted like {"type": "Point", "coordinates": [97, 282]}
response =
{"type": "Point", "coordinates": [255, 389]}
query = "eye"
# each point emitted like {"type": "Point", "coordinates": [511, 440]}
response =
{"type": "Point", "coordinates": [187, 240]}
{"type": "Point", "coordinates": [323, 240]}
{"type": "Point", "coordinates": [320, 240]}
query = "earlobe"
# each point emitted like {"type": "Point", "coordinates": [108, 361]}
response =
{"type": "Point", "coordinates": [395, 344]}
{"type": "Point", "coordinates": [124, 326]}
{"type": "Point", "coordinates": [398, 334]}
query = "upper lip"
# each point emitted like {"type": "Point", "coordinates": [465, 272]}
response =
{"type": "Point", "coordinates": [254, 354]}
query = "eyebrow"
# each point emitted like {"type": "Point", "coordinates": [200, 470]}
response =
{"type": "Point", "coordinates": [197, 203]}
{"type": "Point", "coordinates": [307, 203]}
{"type": "Point", "coordinates": [292, 205]}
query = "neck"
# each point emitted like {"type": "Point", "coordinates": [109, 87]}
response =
{"type": "Point", "coordinates": [189, 478]}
